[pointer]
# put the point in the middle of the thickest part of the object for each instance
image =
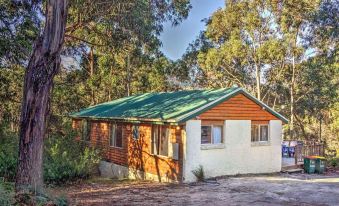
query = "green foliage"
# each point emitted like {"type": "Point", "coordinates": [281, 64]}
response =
{"type": "Point", "coordinates": [334, 162]}
{"type": "Point", "coordinates": [67, 159]}
{"type": "Point", "coordinates": [199, 173]}
{"type": "Point", "coordinates": [61, 201]}
{"type": "Point", "coordinates": [18, 30]}
{"type": "Point", "coordinates": [8, 154]}
{"type": "Point", "coordinates": [6, 193]}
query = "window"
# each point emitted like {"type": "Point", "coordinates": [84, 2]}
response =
{"type": "Point", "coordinates": [116, 135]}
{"type": "Point", "coordinates": [86, 130]}
{"type": "Point", "coordinates": [259, 133]}
{"type": "Point", "coordinates": [211, 134]}
{"type": "Point", "coordinates": [135, 132]}
{"type": "Point", "coordinates": [160, 140]}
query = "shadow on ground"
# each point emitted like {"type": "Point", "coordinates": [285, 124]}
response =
{"type": "Point", "coordinates": [282, 189]}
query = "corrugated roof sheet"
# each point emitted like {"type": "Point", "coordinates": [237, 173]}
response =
{"type": "Point", "coordinates": [163, 107]}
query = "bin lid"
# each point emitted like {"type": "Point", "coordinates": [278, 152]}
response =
{"type": "Point", "coordinates": [315, 157]}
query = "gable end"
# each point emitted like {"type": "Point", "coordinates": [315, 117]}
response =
{"type": "Point", "coordinates": [236, 105]}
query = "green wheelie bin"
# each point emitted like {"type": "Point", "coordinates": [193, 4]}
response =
{"type": "Point", "coordinates": [309, 164]}
{"type": "Point", "coordinates": [319, 164]}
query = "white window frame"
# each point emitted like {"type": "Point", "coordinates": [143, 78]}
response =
{"type": "Point", "coordinates": [259, 135]}
{"type": "Point", "coordinates": [155, 150]}
{"type": "Point", "coordinates": [114, 136]}
{"type": "Point", "coordinates": [212, 133]}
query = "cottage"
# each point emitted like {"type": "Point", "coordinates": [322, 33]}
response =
{"type": "Point", "coordinates": [164, 136]}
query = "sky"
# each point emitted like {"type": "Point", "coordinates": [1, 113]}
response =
{"type": "Point", "coordinates": [176, 39]}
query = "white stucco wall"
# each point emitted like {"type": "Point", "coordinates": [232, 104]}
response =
{"type": "Point", "coordinates": [191, 159]}
{"type": "Point", "coordinates": [237, 155]}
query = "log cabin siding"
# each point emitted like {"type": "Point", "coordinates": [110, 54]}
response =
{"type": "Point", "coordinates": [136, 154]}
{"type": "Point", "coordinates": [238, 107]}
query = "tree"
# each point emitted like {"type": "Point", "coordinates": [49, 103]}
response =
{"type": "Point", "coordinates": [43, 65]}
{"type": "Point", "coordinates": [106, 25]}
{"type": "Point", "coordinates": [293, 18]}
{"type": "Point", "coordinates": [241, 34]}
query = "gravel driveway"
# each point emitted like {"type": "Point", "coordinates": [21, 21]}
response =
{"type": "Point", "coordinates": [278, 189]}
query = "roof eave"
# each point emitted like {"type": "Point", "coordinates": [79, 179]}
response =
{"type": "Point", "coordinates": [130, 119]}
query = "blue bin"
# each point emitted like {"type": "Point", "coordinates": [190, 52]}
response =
{"type": "Point", "coordinates": [284, 151]}
{"type": "Point", "coordinates": [291, 151]}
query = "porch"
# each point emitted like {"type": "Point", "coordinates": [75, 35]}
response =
{"type": "Point", "coordinates": [293, 156]}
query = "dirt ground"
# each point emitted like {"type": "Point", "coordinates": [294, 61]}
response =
{"type": "Point", "coordinates": [280, 189]}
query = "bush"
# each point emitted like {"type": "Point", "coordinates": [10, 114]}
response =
{"type": "Point", "coordinates": [6, 193]}
{"type": "Point", "coordinates": [334, 162]}
{"type": "Point", "coordinates": [67, 159]}
{"type": "Point", "coordinates": [199, 173]}
{"type": "Point", "coordinates": [8, 154]}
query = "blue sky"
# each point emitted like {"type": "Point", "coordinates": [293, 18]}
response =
{"type": "Point", "coordinates": [176, 39]}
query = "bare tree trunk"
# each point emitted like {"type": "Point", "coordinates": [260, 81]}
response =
{"type": "Point", "coordinates": [257, 75]}
{"type": "Point", "coordinates": [43, 65]}
{"type": "Point", "coordinates": [292, 98]}
{"type": "Point", "coordinates": [128, 68]}
{"type": "Point", "coordinates": [293, 82]}
{"type": "Point", "coordinates": [91, 72]}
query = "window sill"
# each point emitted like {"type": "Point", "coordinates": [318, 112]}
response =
{"type": "Point", "coordinates": [114, 147]}
{"type": "Point", "coordinates": [212, 146]}
{"type": "Point", "coordinates": [162, 157]}
{"type": "Point", "coordinates": [255, 144]}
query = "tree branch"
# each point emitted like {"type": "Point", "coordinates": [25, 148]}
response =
{"type": "Point", "coordinates": [82, 40]}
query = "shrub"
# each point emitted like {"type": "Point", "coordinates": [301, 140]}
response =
{"type": "Point", "coordinates": [6, 193]}
{"type": "Point", "coordinates": [67, 159]}
{"type": "Point", "coordinates": [199, 173]}
{"type": "Point", "coordinates": [334, 162]}
{"type": "Point", "coordinates": [8, 154]}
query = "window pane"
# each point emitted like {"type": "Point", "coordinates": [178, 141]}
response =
{"type": "Point", "coordinates": [263, 132]}
{"type": "Point", "coordinates": [254, 133]}
{"type": "Point", "coordinates": [217, 134]}
{"type": "Point", "coordinates": [163, 149]}
{"type": "Point", "coordinates": [118, 136]}
{"type": "Point", "coordinates": [86, 132]}
{"type": "Point", "coordinates": [155, 136]}
{"type": "Point", "coordinates": [206, 135]}
{"type": "Point", "coordinates": [135, 132]}
{"type": "Point", "coordinates": [112, 135]}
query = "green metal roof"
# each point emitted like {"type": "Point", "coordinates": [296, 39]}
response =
{"type": "Point", "coordinates": [173, 107]}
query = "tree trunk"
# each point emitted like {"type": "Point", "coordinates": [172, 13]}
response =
{"type": "Point", "coordinates": [292, 98]}
{"type": "Point", "coordinates": [292, 91]}
{"type": "Point", "coordinates": [128, 83]}
{"type": "Point", "coordinates": [43, 65]}
{"type": "Point", "coordinates": [257, 75]}
{"type": "Point", "coordinates": [91, 72]}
